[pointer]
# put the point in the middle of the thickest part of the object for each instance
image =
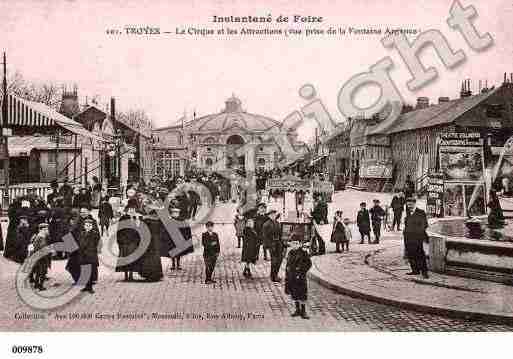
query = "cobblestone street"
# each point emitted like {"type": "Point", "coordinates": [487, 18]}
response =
{"type": "Point", "coordinates": [182, 302]}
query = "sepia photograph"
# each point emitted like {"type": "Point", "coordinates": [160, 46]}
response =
{"type": "Point", "coordinates": [242, 167]}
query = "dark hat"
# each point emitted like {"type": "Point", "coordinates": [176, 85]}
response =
{"type": "Point", "coordinates": [411, 199]}
{"type": "Point", "coordinates": [85, 205]}
{"type": "Point", "coordinates": [209, 224]}
{"type": "Point", "coordinates": [42, 225]}
{"type": "Point", "coordinates": [363, 204]}
{"type": "Point", "coordinates": [375, 200]}
{"type": "Point", "coordinates": [89, 220]}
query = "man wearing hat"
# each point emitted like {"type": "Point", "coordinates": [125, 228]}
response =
{"type": "Point", "coordinates": [363, 223]}
{"type": "Point", "coordinates": [40, 269]}
{"type": "Point", "coordinates": [260, 219]}
{"type": "Point", "coordinates": [272, 232]}
{"type": "Point", "coordinates": [88, 251]}
{"type": "Point", "coordinates": [54, 194]}
{"type": "Point", "coordinates": [377, 214]}
{"type": "Point", "coordinates": [298, 265]}
{"type": "Point", "coordinates": [414, 237]}
{"type": "Point", "coordinates": [186, 232]}
{"type": "Point", "coordinates": [211, 250]}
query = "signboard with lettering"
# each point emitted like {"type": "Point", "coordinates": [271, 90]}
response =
{"type": "Point", "coordinates": [376, 169]}
{"type": "Point", "coordinates": [290, 183]}
{"type": "Point", "coordinates": [461, 156]}
{"type": "Point", "coordinates": [323, 186]}
{"type": "Point", "coordinates": [435, 193]}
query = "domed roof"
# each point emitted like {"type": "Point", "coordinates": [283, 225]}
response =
{"type": "Point", "coordinates": [232, 116]}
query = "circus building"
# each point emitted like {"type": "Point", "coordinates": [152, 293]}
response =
{"type": "Point", "coordinates": [210, 143]}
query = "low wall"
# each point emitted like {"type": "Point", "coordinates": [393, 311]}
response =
{"type": "Point", "coordinates": [475, 258]}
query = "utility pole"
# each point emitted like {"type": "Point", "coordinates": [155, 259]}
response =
{"type": "Point", "coordinates": [4, 137]}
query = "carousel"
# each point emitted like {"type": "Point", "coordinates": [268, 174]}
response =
{"type": "Point", "coordinates": [291, 197]}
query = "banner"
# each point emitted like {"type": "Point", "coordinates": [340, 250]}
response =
{"type": "Point", "coordinates": [376, 169]}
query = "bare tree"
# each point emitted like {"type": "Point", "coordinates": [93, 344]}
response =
{"type": "Point", "coordinates": [44, 92]}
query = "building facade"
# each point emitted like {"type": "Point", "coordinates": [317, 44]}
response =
{"type": "Point", "coordinates": [212, 143]}
{"type": "Point", "coordinates": [407, 145]}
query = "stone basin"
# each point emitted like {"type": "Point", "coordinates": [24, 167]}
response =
{"type": "Point", "coordinates": [471, 250]}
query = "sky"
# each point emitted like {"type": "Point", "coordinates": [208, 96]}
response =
{"type": "Point", "coordinates": [65, 42]}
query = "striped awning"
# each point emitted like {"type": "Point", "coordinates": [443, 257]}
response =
{"type": "Point", "coordinates": [22, 112]}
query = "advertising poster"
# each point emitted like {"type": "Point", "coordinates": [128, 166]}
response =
{"type": "Point", "coordinates": [435, 195]}
{"type": "Point", "coordinates": [461, 156]}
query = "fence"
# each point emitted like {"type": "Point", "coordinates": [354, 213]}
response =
{"type": "Point", "coordinates": [40, 189]}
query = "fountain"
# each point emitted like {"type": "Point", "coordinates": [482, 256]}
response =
{"type": "Point", "coordinates": [481, 246]}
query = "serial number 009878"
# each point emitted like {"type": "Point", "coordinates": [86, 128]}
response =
{"type": "Point", "coordinates": [27, 349]}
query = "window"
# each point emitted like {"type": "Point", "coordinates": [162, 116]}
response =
{"type": "Point", "coordinates": [52, 157]}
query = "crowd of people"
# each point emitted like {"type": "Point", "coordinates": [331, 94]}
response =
{"type": "Point", "coordinates": [35, 223]}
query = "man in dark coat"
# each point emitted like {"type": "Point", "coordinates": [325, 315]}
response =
{"type": "Point", "coordinates": [186, 232]}
{"type": "Point", "coordinates": [409, 187]}
{"type": "Point", "coordinates": [211, 250]}
{"type": "Point", "coordinates": [298, 264]}
{"type": "Point", "coordinates": [377, 214]}
{"type": "Point", "coordinates": [88, 251]}
{"type": "Point", "coordinates": [260, 218]}
{"type": "Point", "coordinates": [194, 199]}
{"type": "Point", "coordinates": [363, 222]}
{"type": "Point", "coordinates": [272, 231]}
{"type": "Point", "coordinates": [397, 205]}
{"type": "Point", "coordinates": [319, 216]}
{"type": "Point", "coordinates": [52, 197]}
{"type": "Point", "coordinates": [66, 192]}
{"type": "Point", "coordinates": [414, 237]}
{"type": "Point", "coordinates": [58, 227]}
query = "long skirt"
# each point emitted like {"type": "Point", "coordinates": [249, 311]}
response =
{"type": "Point", "coordinates": [73, 266]}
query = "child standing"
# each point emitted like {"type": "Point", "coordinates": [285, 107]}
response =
{"type": "Point", "coordinates": [348, 234]}
{"type": "Point", "coordinates": [363, 222]}
{"type": "Point", "coordinates": [211, 250]}
{"type": "Point", "coordinates": [298, 265]}
{"type": "Point", "coordinates": [40, 269]}
{"type": "Point", "coordinates": [239, 222]}
{"type": "Point", "coordinates": [338, 235]}
{"type": "Point", "coordinates": [105, 214]}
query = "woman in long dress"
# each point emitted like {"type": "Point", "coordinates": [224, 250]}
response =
{"type": "Point", "coordinates": [128, 241]}
{"type": "Point", "coordinates": [250, 247]}
{"type": "Point", "coordinates": [150, 267]}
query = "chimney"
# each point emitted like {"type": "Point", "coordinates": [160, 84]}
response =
{"type": "Point", "coordinates": [465, 89]}
{"type": "Point", "coordinates": [112, 108]}
{"type": "Point", "coordinates": [422, 102]}
{"type": "Point", "coordinates": [443, 99]}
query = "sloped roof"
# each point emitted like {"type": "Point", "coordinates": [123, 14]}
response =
{"type": "Point", "coordinates": [21, 112]}
{"type": "Point", "coordinates": [434, 115]}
